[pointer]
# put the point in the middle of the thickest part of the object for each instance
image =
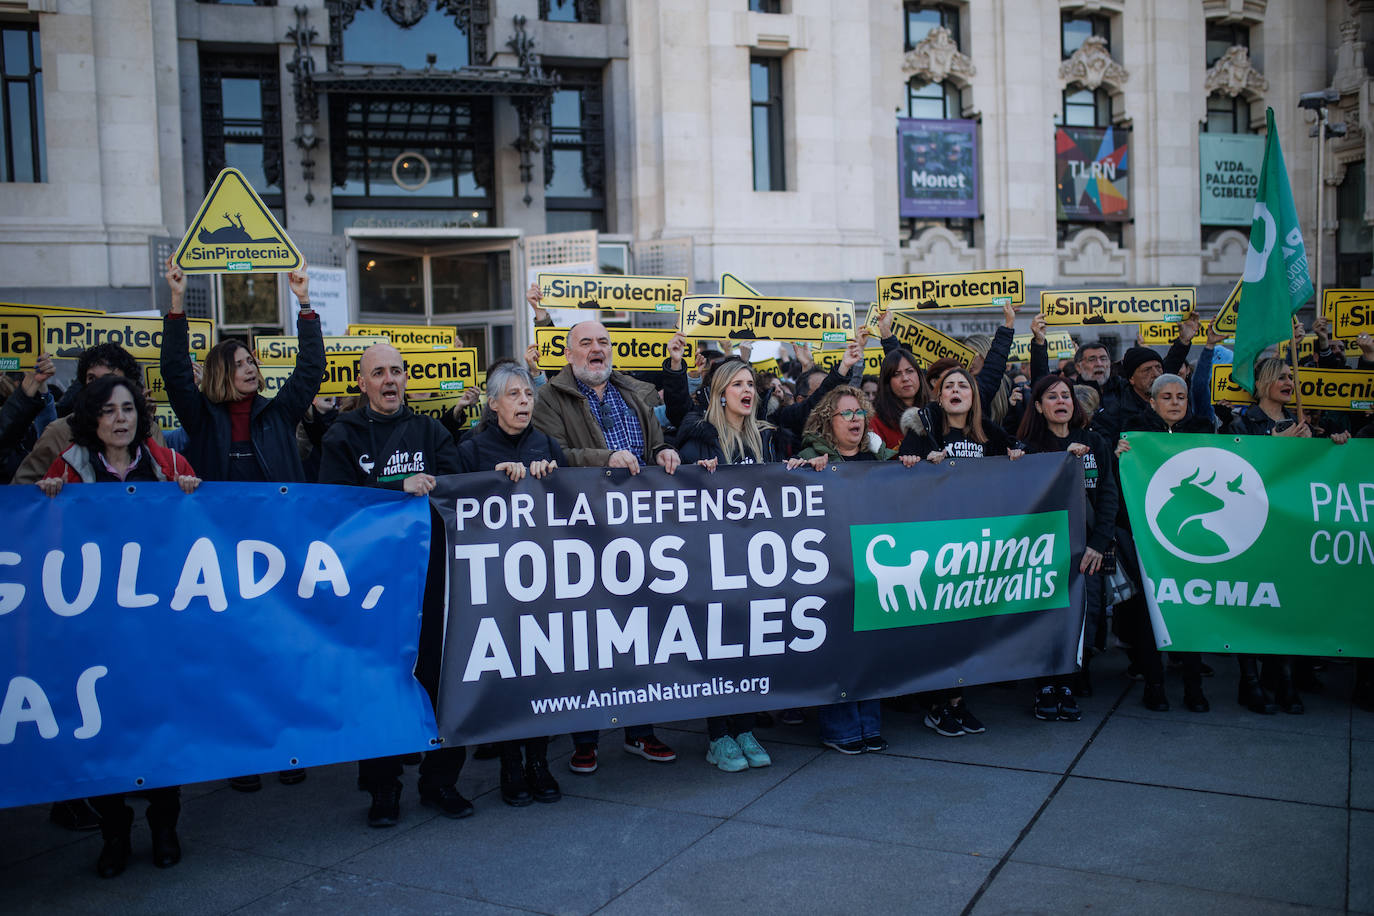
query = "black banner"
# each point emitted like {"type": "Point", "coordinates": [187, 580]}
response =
{"type": "Point", "coordinates": [594, 599]}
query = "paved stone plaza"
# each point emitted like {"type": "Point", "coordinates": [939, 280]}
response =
{"type": "Point", "coordinates": [1128, 811]}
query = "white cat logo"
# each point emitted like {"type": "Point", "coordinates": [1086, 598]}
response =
{"type": "Point", "coordinates": [366, 463]}
{"type": "Point", "coordinates": [889, 577]}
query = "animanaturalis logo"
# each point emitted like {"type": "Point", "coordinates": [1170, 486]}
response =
{"type": "Point", "coordinates": [1206, 505]}
{"type": "Point", "coordinates": [916, 573]}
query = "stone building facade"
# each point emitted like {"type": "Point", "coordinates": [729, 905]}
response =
{"type": "Point", "coordinates": [434, 151]}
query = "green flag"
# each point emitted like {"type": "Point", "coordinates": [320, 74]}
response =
{"type": "Point", "coordinates": [1276, 282]}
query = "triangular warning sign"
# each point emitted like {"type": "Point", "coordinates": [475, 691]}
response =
{"type": "Point", "coordinates": [234, 231]}
{"type": "Point", "coordinates": [731, 285]}
{"type": "Point", "coordinates": [1225, 320]}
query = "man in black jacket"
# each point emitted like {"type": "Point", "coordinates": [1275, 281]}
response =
{"type": "Point", "coordinates": [385, 444]}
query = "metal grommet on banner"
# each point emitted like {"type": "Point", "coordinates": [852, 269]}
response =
{"type": "Point", "coordinates": [843, 694]}
{"type": "Point", "coordinates": [434, 741]}
{"type": "Point", "coordinates": [295, 761]}
{"type": "Point", "coordinates": [283, 491]}
{"type": "Point", "coordinates": [138, 781]}
{"type": "Point", "coordinates": [131, 489]}
{"type": "Point", "coordinates": [961, 680]}
{"type": "Point", "coordinates": [1226, 645]}
{"type": "Point", "coordinates": [614, 720]}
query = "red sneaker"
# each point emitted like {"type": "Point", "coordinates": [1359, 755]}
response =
{"type": "Point", "coordinates": [583, 759]}
{"type": "Point", "coordinates": [650, 748]}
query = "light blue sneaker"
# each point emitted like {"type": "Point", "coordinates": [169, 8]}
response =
{"type": "Point", "coordinates": [753, 751]}
{"type": "Point", "coordinates": [725, 754]}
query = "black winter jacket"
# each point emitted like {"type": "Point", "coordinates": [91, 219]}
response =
{"type": "Point", "coordinates": [1099, 480]}
{"type": "Point", "coordinates": [272, 423]}
{"type": "Point", "coordinates": [699, 440]}
{"type": "Point", "coordinates": [367, 449]}
{"type": "Point", "coordinates": [490, 445]}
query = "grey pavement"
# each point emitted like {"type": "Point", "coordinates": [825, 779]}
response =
{"type": "Point", "coordinates": [1127, 811]}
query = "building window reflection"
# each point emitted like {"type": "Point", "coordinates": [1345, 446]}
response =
{"type": "Point", "coordinates": [25, 156]}
{"type": "Point", "coordinates": [575, 156]}
{"type": "Point", "coordinates": [240, 103]}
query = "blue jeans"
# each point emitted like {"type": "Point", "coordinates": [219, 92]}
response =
{"type": "Point", "coordinates": [842, 723]}
{"type": "Point", "coordinates": [631, 733]}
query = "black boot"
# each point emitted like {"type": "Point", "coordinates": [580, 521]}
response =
{"type": "Point", "coordinates": [115, 826]}
{"type": "Point", "coordinates": [542, 785]}
{"type": "Point", "coordinates": [164, 807]}
{"type": "Point", "coordinates": [1155, 698]}
{"type": "Point", "coordinates": [1285, 692]}
{"type": "Point", "coordinates": [1252, 695]}
{"type": "Point", "coordinates": [515, 790]}
{"type": "Point", "coordinates": [1193, 697]}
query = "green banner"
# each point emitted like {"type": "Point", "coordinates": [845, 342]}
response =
{"type": "Point", "coordinates": [1250, 544]}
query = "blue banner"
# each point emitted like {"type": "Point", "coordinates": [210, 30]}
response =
{"type": "Point", "coordinates": [150, 638]}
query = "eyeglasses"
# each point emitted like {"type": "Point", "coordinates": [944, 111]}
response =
{"type": "Point", "coordinates": [606, 418]}
{"type": "Point", "coordinates": [859, 414]}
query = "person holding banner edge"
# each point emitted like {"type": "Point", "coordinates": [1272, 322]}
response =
{"type": "Point", "coordinates": [383, 443]}
{"type": "Point", "coordinates": [505, 441]}
{"type": "Point", "coordinates": [234, 432]}
{"type": "Point", "coordinates": [112, 443]}
{"type": "Point", "coordinates": [1055, 423]}
{"type": "Point", "coordinates": [837, 430]}
{"type": "Point", "coordinates": [729, 432]}
{"type": "Point", "coordinates": [602, 418]}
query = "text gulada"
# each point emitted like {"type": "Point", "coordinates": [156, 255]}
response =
{"type": "Point", "coordinates": [557, 571]}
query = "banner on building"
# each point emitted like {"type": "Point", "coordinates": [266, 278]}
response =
{"type": "Point", "coordinates": [1350, 312]}
{"type": "Point", "coordinates": [1091, 174]}
{"type": "Point", "coordinates": [631, 348]}
{"type": "Point", "coordinates": [938, 165]}
{"type": "Point", "coordinates": [606, 291]}
{"type": "Point", "coordinates": [1322, 389]}
{"type": "Point", "coordinates": [974, 288]}
{"type": "Point", "coordinates": [1239, 537]}
{"type": "Point", "coordinates": [406, 337]}
{"type": "Point", "coordinates": [67, 336]}
{"type": "Point", "coordinates": [20, 338]}
{"type": "Point", "coordinates": [598, 600]}
{"type": "Point", "coordinates": [1117, 306]}
{"type": "Point", "coordinates": [260, 631]}
{"type": "Point", "coordinates": [767, 318]}
{"type": "Point", "coordinates": [1230, 166]}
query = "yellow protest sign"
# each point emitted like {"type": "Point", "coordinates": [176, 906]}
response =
{"type": "Point", "coordinates": [409, 336]}
{"type": "Point", "coordinates": [1225, 319]}
{"type": "Point", "coordinates": [926, 343]}
{"type": "Point", "coordinates": [67, 335]}
{"type": "Point", "coordinates": [1307, 348]}
{"type": "Point", "coordinates": [233, 230]}
{"type": "Point", "coordinates": [766, 365]}
{"type": "Point", "coordinates": [955, 290]}
{"type": "Point", "coordinates": [1165, 333]}
{"type": "Point", "coordinates": [830, 359]}
{"type": "Point", "coordinates": [281, 350]}
{"type": "Point", "coordinates": [19, 339]}
{"type": "Point", "coordinates": [438, 404]}
{"type": "Point", "coordinates": [1058, 345]}
{"type": "Point", "coordinates": [50, 309]}
{"type": "Point", "coordinates": [426, 370]}
{"type": "Point", "coordinates": [166, 417]}
{"type": "Point", "coordinates": [1117, 306]}
{"type": "Point", "coordinates": [596, 291]}
{"type": "Point", "coordinates": [771, 318]}
{"type": "Point", "coordinates": [631, 348]}
{"type": "Point", "coordinates": [155, 387]}
{"type": "Point", "coordinates": [1349, 311]}
{"type": "Point", "coordinates": [731, 285]}
{"type": "Point", "coordinates": [1322, 389]}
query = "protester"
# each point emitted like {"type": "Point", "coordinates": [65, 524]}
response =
{"type": "Point", "coordinates": [385, 444]}
{"type": "Point", "coordinates": [22, 409]}
{"type": "Point", "coordinates": [234, 432]}
{"type": "Point", "coordinates": [111, 443]}
{"type": "Point", "coordinates": [1168, 413]}
{"type": "Point", "coordinates": [730, 433]}
{"type": "Point", "coordinates": [837, 431]}
{"type": "Point", "coordinates": [901, 386]}
{"type": "Point", "coordinates": [94, 362]}
{"type": "Point", "coordinates": [505, 441]}
{"type": "Point", "coordinates": [1055, 423]}
{"type": "Point", "coordinates": [603, 418]}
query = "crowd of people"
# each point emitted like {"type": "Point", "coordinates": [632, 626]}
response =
{"type": "Point", "coordinates": [713, 410]}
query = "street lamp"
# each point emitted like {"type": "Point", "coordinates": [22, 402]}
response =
{"type": "Point", "coordinates": [1317, 102]}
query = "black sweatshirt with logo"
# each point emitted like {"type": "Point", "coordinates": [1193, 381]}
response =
{"type": "Point", "coordinates": [368, 449]}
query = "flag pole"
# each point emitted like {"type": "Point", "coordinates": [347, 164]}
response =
{"type": "Point", "coordinates": [1293, 361]}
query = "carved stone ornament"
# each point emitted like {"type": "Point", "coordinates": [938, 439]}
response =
{"type": "Point", "coordinates": [405, 13]}
{"type": "Point", "coordinates": [937, 58]}
{"type": "Point", "coordinates": [1234, 74]}
{"type": "Point", "coordinates": [1092, 67]}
